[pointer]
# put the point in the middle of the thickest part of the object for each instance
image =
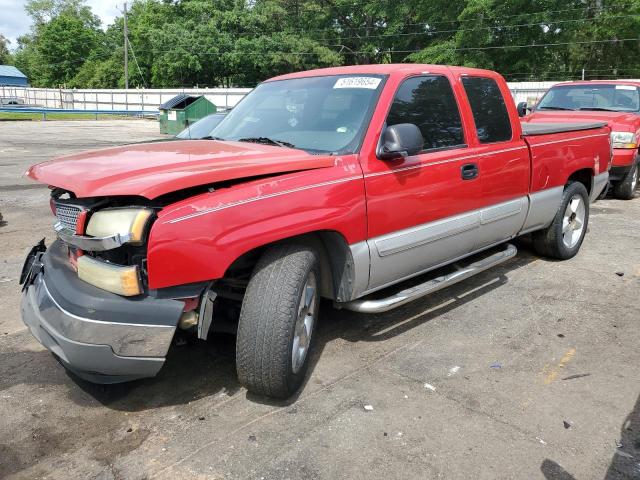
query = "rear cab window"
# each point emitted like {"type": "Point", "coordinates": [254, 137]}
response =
{"type": "Point", "coordinates": [429, 103]}
{"type": "Point", "coordinates": [489, 110]}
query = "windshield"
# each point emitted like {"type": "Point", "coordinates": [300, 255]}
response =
{"type": "Point", "coordinates": [616, 98]}
{"type": "Point", "coordinates": [317, 114]}
{"type": "Point", "coordinates": [202, 128]}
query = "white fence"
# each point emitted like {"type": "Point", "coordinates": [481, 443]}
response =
{"type": "Point", "coordinates": [117, 99]}
{"type": "Point", "coordinates": [529, 92]}
{"type": "Point", "coordinates": [150, 99]}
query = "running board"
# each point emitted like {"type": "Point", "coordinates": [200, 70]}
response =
{"type": "Point", "coordinates": [364, 305]}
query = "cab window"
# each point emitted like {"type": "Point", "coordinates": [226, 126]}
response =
{"type": "Point", "coordinates": [489, 110]}
{"type": "Point", "coordinates": [429, 103]}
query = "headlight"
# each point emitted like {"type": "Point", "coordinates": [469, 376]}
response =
{"type": "Point", "coordinates": [624, 140]}
{"type": "Point", "coordinates": [129, 223]}
{"type": "Point", "coordinates": [122, 280]}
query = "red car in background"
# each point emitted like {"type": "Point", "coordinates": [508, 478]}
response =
{"type": "Point", "coordinates": [616, 102]}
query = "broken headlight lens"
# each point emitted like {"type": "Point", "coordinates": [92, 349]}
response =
{"type": "Point", "coordinates": [129, 223]}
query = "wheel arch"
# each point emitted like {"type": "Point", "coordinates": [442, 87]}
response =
{"type": "Point", "coordinates": [584, 176]}
{"type": "Point", "coordinates": [336, 262]}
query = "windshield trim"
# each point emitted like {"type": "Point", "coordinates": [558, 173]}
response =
{"type": "Point", "coordinates": [356, 144]}
{"type": "Point", "coordinates": [586, 85]}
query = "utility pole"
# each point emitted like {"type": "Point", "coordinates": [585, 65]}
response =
{"type": "Point", "coordinates": [126, 49]}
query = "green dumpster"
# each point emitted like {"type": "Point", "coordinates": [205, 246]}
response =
{"type": "Point", "coordinates": [183, 110]}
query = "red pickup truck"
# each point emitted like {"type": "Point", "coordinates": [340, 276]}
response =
{"type": "Point", "coordinates": [333, 183]}
{"type": "Point", "coordinates": [616, 102]}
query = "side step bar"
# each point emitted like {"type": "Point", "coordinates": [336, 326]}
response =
{"type": "Point", "coordinates": [363, 305]}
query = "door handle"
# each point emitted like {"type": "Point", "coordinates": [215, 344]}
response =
{"type": "Point", "coordinates": [469, 171]}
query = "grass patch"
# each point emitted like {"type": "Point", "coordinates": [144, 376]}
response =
{"type": "Point", "coordinates": [60, 116]}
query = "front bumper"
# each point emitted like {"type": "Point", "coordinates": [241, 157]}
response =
{"type": "Point", "coordinates": [624, 157]}
{"type": "Point", "coordinates": [100, 336]}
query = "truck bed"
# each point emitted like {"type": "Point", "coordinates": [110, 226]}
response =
{"type": "Point", "coordinates": [529, 129]}
{"type": "Point", "coordinates": [557, 150]}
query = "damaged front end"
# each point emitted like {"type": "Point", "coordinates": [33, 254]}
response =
{"type": "Point", "coordinates": [86, 297]}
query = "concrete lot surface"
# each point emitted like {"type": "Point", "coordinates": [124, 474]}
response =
{"type": "Point", "coordinates": [528, 371]}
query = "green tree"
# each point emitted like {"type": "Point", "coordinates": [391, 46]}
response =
{"type": "Point", "coordinates": [5, 55]}
{"type": "Point", "coordinates": [242, 42]}
{"type": "Point", "coordinates": [542, 39]}
{"type": "Point", "coordinates": [63, 36]}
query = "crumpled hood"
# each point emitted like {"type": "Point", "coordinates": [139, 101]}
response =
{"type": "Point", "coordinates": [153, 169]}
{"type": "Point", "coordinates": [619, 121]}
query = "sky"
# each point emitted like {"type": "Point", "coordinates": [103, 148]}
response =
{"type": "Point", "coordinates": [15, 22]}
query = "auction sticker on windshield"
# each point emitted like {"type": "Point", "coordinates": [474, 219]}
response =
{"type": "Point", "coordinates": [357, 82]}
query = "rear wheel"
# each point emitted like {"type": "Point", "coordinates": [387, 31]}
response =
{"type": "Point", "coordinates": [563, 238]}
{"type": "Point", "coordinates": [625, 189]}
{"type": "Point", "coordinates": [277, 321]}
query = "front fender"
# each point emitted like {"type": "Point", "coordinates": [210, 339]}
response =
{"type": "Point", "coordinates": [199, 238]}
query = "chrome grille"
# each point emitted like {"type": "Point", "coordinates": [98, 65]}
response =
{"type": "Point", "coordinates": [67, 215]}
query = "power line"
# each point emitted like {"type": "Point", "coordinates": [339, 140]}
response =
{"type": "Point", "coordinates": [126, 48]}
{"type": "Point", "coordinates": [500, 27]}
{"type": "Point", "coordinates": [502, 17]}
{"type": "Point", "coordinates": [342, 29]}
{"type": "Point", "coordinates": [388, 51]}
{"type": "Point", "coordinates": [363, 52]}
{"type": "Point", "coordinates": [534, 45]}
{"type": "Point", "coordinates": [133, 53]}
{"type": "Point", "coordinates": [430, 24]}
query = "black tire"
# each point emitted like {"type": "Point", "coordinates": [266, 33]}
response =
{"type": "Point", "coordinates": [550, 241]}
{"type": "Point", "coordinates": [626, 188]}
{"type": "Point", "coordinates": [267, 326]}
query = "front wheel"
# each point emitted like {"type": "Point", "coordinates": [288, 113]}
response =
{"type": "Point", "coordinates": [563, 238]}
{"type": "Point", "coordinates": [625, 189]}
{"type": "Point", "coordinates": [277, 321]}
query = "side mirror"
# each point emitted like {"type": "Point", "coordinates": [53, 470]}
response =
{"type": "Point", "coordinates": [401, 140]}
{"type": "Point", "coordinates": [523, 109]}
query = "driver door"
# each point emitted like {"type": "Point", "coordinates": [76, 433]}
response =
{"type": "Point", "coordinates": [422, 209]}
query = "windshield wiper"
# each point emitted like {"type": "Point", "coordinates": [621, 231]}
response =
{"type": "Point", "coordinates": [267, 141]}
{"type": "Point", "coordinates": [599, 109]}
{"type": "Point", "coordinates": [555, 108]}
{"type": "Point", "coordinates": [209, 137]}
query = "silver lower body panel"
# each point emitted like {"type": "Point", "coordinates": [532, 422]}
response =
{"type": "Point", "coordinates": [431, 286]}
{"type": "Point", "coordinates": [398, 256]}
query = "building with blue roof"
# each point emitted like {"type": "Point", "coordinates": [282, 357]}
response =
{"type": "Point", "coordinates": [11, 76]}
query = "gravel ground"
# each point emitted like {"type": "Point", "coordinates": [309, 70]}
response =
{"type": "Point", "coordinates": [530, 370]}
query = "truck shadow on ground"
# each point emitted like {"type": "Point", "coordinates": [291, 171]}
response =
{"type": "Point", "coordinates": [202, 369]}
{"type": "Point", "coordinates": [625, 464]}
{"type": "Point", "coordinates": [191, 371]}
{"type": "Point", "coordinates": [358, 327]}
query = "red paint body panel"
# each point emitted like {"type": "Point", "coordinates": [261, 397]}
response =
{"type": "Point", "coordinates": [359, 196]}
{"type": "Point", "coordinates": [555, 157]}
{"type": "Point", "coordinates": [419, 189]}
{"type": "Point", "coordinates": [153, 169]}
{"type": "Point", "coordinates": [504, 166]}
{"type": "Point", "coordinates": [624, 157]}
{"type": "Point", "coordinates": [617, 121]}
{"type": "Point", "coordinates": [212, 230]}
